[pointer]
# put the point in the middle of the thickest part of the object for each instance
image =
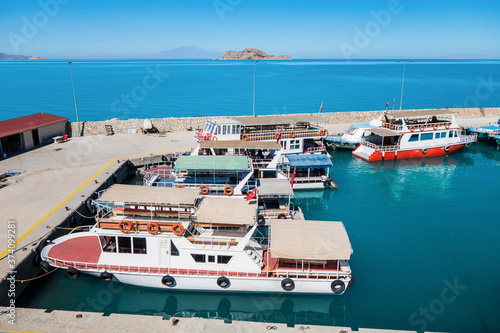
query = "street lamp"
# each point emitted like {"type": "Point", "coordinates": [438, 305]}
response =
{"type": "Point", "coordinates": [74, 95]}
{"type": "Point", "coordinates": [403, 83]}
{"type": "Point", "coordinates": [254, 63]}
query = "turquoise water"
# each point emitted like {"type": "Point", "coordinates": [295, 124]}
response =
{"type": "Point", "coordinates": [175, 88]}
{"type": "Point", "coordinates": [425, 238]}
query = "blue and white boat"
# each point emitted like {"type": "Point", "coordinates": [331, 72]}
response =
{"type": "Point", "coordinates": [353, 137]}
{"type": "Point", "coordinates": [485, 133]}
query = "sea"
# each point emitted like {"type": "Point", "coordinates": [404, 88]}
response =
{"type": "Point", "coordinates": [425, 232]}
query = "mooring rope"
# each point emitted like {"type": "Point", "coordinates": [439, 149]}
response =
{"type": "Point", "coordinates": [36, 277]}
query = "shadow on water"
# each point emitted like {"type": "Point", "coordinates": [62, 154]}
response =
{"type": "Point", "coordinates": [88, 293]}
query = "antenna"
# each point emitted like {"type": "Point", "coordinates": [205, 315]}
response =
{"type": "Point", "coordinates": [403, 83]}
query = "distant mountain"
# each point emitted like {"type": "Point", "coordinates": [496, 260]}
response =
{"type": "Point", "coordinates": [4, 56]}
{"type": "Point", "coordinates": [184, 52]}
{"type": "Point", "coordinates": [252, 54]}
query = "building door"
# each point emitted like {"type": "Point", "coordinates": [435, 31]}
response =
{"type": "Point", "coordinates": [36, 138]}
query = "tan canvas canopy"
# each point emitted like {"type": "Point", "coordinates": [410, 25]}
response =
{"type": "Point", "coordinates": [279, 119]}
{"type": "Point", "coordinates": [313, 240]}
{"type": "Point", "coordinates": [238, 144]}
{"type": "Point", "coordinates": [419, 113]}
{"type": "Point", "coordinates": [274, 186]}
{"type": "Point", "coordinates": [225, 210]}
{"type": "Point", "coordinates": [383, 131]}
{"type": "Point", "coordinates": [150, 195]}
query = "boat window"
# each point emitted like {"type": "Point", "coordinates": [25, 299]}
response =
{"type": "Point", "coordinates": [426, 136]}
{"type": "Point", "coordinates": [211, 258]}
{"type": "Point", "coordinates": [238, 129]}
{"type": "Point", "coordinates": [173, 249]}
{"type": "Point", "coordinates": [139, 245]}
{"type": "Point", "coordinates": [451, 134]}
{"type": "Point", "coordinates": [124, 245]}
{"type": "Point", "coordinates": [199, 257]}
{"type": "Point", "coordinates": [413, 137]}
{"type": "Point", "coordinates": [437, 135]}
{"type": "Point", "coordinates": [223, 259]}
{"type": "Point", "coordinates": [234, 129]}
{"type": "Point", "coordinates": [218, 130]}
{"type": "Point", "coordinates": [294, 144]}
{"type": "Point", "coordinates": [108, 243]}
{"type": "Point", "coordinates": [224, 129]}
{"type": "Point", "coordinates": [443, 134]}
{"type": "Point", "coordinates": [456, 134]}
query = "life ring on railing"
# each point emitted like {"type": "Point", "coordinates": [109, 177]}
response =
{"type": "Point", "coordinates": [383, 124]}
{"type": "Point", "coordinates": [422, 128]}
{"type": "Point", "coordinates": [277, 135]}
{"type": "Point", "coordinates": [215, 138]}
{"type": "Point", "coordinates": [228, 190]}
{"type": "Point", "coordinates": [447, 125]}
{"type": "Point", "coordinates": [178, 229]}
{"type": "Point", "coordinates": [180, 186]}
{"type": "Point", "coordinates": [292, 134]}
{"type": "Point", "coordinates": [153, 228]}
{"type": "Point", "coordinates": [204, 189]}
{"type": "Point", "coordinates": [412, 128]}
{"type": "Point", "coordinates": [435, 126]}
{"type": "Point", "coordinates": [244, 137]}
{"type": "Point", "coordinates": [125, 226]}
{"type": "Point", "coordinates": [391, 126]}
{"type": "Point", "coordinates": [321, 133]}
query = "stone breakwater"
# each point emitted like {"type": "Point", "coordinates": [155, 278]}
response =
{"type": "Point", "coordinates": [164, 125]}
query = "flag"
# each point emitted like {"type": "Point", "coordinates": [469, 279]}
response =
{"type": "Point", "coordinates": [386, 104]}
{"type": "Point", "coordinates": [279, 135]}
{"type": "Point", "coordinates": [321, 107]}
{"type": "Point", "coordinates": [394, 102]}
{"type": "Point", "coordinates": [293, 177]}
{"type": "Point", "coordinates": [446, 107]}
{"type": "Point", "coordinates": [252, 195]}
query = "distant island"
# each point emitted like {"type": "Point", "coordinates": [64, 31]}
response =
{"type": "Point", "coordinates": [4, 56]}
{"type": "Point", "coordinates": [252, 54]}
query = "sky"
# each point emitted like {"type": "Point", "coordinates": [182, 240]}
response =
{"type": "Point", "coordinates": [302, 29]}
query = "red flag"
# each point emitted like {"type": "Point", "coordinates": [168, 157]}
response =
{"type": "Point", "coordinates": [394, 102]}
{"type": "Point", "coordinates": [293, 177]}
{"type": "Point", "coordinates": [446, 107]}
{"type": "Point", "coordinates": [252, 195]}
{"type": "Point", "coordinates": [321, 107]}
{"type": "Point", "coordinates": [387, 104]}
{"type": "Point", "coordinates": [279, 135]}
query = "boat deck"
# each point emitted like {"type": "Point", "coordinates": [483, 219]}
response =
{"type": "Point", "coordinates": [80, 249]}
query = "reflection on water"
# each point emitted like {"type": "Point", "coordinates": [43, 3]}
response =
{"type": "Point", "coordinates": [88, 293]}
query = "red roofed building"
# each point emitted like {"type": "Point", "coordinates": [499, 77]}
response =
{"type": "Point", "coordinates": [29, 131]}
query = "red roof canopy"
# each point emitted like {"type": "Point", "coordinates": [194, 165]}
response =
{"type": "Point", "coordinates": [26, 123]}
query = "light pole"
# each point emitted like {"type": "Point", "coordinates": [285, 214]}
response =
{"type": "Point", "coordinates": [74, 95]}
{"type": "Point", "coordinates": [403, 83]}
{"type": "Point", "coordinates": [254, 63]}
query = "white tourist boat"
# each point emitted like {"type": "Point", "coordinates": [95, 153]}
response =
{"type": "Point", "coordinates": [148, 239]}
{"type": "Point", "coordinates": [354, 135]}
{"type": "Point", "coordinates": [413, 134]}
{"type": "Point", "coordinates": [295, 133]}
{"type": "Point", "coordinates": [308, 171]}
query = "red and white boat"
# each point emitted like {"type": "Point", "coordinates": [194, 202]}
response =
{"type": "Point", "coordinates": [172, 238]}
{"type": "Point", "coordinates": [413, 134]}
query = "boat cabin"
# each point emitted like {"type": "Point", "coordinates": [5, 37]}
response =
{"type": "Point", "coordinates": [308, 171]}
{"type": "Point", "coordinates": [274, 201]}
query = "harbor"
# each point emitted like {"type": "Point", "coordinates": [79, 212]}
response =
{"type": "Point", "coordinates": [58, 179]}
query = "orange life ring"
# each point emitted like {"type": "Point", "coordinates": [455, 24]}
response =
{"type": "Point", "coordinates": [153, 228]}
{"type": "Point", "coordinates": [412, 128]}
{"type": "Point", "coordinates": [392, 126]}
{"type": "Point", "coordinates": [435, 126]}
{"type": "Point", "coordinates": [177, 229]}
{"type": "Point", "coordinates": [292, 134]}
{"type": "Point", "coordinates": [321, 133]}
{"type": "Point", "coordinates": [277, 135]}
{"type": "Point", "coordinates": [180, 186]}
{"type": "Point", "coordinates": [422, 128]}
{"type": "Point", "coordinates": [125, 226]}
{"type": "Point", "coordinates": [230, 192]}
{"type": "Point", "coordinates": [204, 189]}
{"type": "Point", "coordinates": [383, 124]}
{"type": "Point", "coordinates": [326, 132]}
{"type": "Point", "coordinates": [447, 126]}
{"type": "Point", "coordinates": [215, 138]}
{"type": "Point", "coordinates": [244, 137]}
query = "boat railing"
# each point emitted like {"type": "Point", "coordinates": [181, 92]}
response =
{"type": "Point", "coordinates": [468, 138]}
{"type": "Point", "coordinates": [148, 270]}
{"type": "Point", "coordinates": [377, 147]}
{"type": "Point", "coordinates": [286, 134]}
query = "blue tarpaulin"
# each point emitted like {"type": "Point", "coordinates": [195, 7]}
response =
{"type": "Point", "coordinates": [309, 161]}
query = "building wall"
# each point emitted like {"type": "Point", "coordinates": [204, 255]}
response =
{"type": "Point", "coordinates": [50, 130]}
{"type": "Point", "coordinates": [27, 140]}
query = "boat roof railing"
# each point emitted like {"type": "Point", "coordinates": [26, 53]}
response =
{"type": "Point", "coordinates": [419, 113]}
{"type": "Point", "coordinates": [239, 144]}
{"type": "Point", "coordinates": [150, 195]}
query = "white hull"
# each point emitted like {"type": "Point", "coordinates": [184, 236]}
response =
{"type": "Point", "coordinates": [237, 284]}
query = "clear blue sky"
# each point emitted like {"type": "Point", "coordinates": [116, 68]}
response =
{"type": "Point", "coordinates": [302, 29]}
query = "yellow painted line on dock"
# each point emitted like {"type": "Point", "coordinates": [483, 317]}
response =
{"type": "Point", "coordinates": [30, 230]}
